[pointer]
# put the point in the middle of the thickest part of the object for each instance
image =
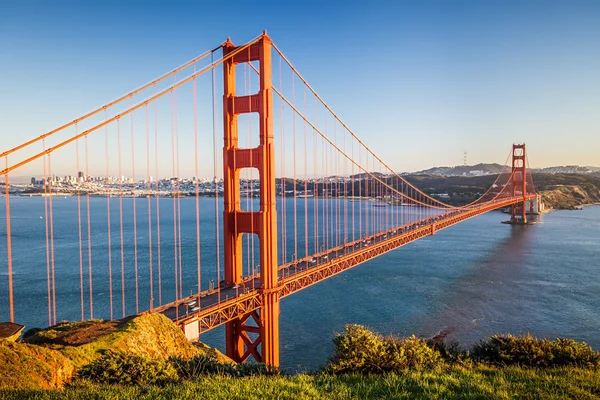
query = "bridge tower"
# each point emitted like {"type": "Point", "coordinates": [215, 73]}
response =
{"type": "Point", "coordinates": [257, 333]}
{"type": "Point", "coordinates": [519, 183]}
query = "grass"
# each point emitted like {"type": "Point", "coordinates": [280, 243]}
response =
{"type": "Point", "coordinates": [26, 366]}
{"type": "Point", "coordinates": [448, 383]}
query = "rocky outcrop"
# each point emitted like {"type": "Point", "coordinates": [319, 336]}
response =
{"type": "Point", "coordinates": [569, 197]}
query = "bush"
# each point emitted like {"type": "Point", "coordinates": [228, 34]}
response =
{"type": "Point", "coordinates": [200, 365]}
{"type": "Point", "coordinates": [361, 350]}
{"type": "Point", "coordinates": [528, 351]}
{"type": "Point", "coordinates": [208, 364]}
{"type": "Point", "coordinates": [254, 369]}
{"type": "Point", "coordinates": [120, 368]}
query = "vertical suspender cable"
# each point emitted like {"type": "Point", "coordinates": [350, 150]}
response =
{"type": "Point", "coordinates": [180, 257]}
{"type": "Point", "coordinates": [217, 244]}
{"type": "Point", "coordinates": [121, 221]}
{"type": "Point", "coordinates": [89, 229]}
{"type": "Point", "coordinates": [367, 193]}
{"type": "Point", "coordinates": [295, 257]}
{"type": "Point", "coordinates": [248, 80]}
{"type": "Point", "coordinates": [360, 197]}
{"type": "Point", "coordinates": [45, 183]}
{"type": "Point", "coordinates": [110, 279]}
{"type": "Point", "coordinates": [326, 187]}
{"type": "Point", "coordinates": [305, 183]}
{"type": "Point", "coordinates": [315, 192]}
{"type": "Point", "coordinates": [352, 188]}
{"type": "Point", "coordinates": [149, 205]}
{"type": "Point", "coordinates": [52, 242]}
{"type": "Point", "coordinates": [283, 177]}
{"type": "Point", "coordinates": [197, 199]}
{"type": "Point", "coordinates": [157, 196]}
{"type": "Point", "coordinates": [9, 248]}
{"type": "Point", "coordinates": [250, 178]}
{"type": "Point", "coordinates": [134, 199]}
{"type": "Point", "coordinates": [173, 194]}
{"type": "Point", "coordinates": [345, 172]}
{"type": "Point", "coordinates": [81, 296]}
{"type": "Point", "coordinates": [248, 186]}
{"type": "Point", "coordinates": [337, 190]}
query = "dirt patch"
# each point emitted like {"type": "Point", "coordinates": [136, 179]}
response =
{"type": "Point", "coordinates": [85, 334]}
{"type": "Point", "coordinates": [72, 333]}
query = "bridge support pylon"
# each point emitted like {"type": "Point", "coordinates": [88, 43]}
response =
{"type": "Point", "coordinates": [519, 184]}
{"type": "Point", "coordinates": [257, 333]}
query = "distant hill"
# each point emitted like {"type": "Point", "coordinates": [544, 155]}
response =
{"type": "Point", "coordinates": [494, 169]}
{"type": "Point", "coordinates": [463, 170]}
{"type": "Point", "coordinates": [567, 169]}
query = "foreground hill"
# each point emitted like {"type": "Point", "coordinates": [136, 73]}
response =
{"type": "Point", "coordinates": [49, 358]}
{"type": "Point", "coordinates": [364, 365]}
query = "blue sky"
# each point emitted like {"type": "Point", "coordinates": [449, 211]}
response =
{"type": "Point", "coordinates": [425, 80]}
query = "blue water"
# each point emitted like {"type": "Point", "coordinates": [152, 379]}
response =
{"type": "Point", "coordinates": [478, 278]}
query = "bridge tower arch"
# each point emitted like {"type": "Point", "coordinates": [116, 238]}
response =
{"type": "Point", "coordinates": [263, 344]}
{"type": "Point", "coordinates": [519, 183]}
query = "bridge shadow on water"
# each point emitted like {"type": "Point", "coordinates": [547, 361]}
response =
{"type": "Point", "coordinates": [477, 303]}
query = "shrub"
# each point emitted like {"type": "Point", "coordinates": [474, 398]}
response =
{"type": "Point", "coordinates": [200, 365]}
{"type": "Point", "coordinates": [451, 352]}
{"type": "Point", "coordinates": [528, 351]}
{"type": "Point", "coordinates": [120, 368]}
{"type": "Point", "coordinates": [361, 350]}
{"type": "Point", "coordinates": [254, 369]}
{"type": "Point", "coordinates": [208, 364]}
{"type": "Point", "coordinates": [410, 352]}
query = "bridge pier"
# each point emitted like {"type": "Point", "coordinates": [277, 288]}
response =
{"type": "Point", "coordinates": [535, 206]}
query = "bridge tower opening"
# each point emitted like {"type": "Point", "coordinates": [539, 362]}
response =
{"type": "Point", "coordinates": [519, 183]}
{"type": "Point", "coordinates": [263, 344]}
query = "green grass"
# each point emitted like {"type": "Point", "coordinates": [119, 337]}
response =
{"type": "Point", "coordinates": [453, 382]}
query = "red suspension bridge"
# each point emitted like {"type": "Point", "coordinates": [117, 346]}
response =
{"type": "Point", "coordinates": [294, 198]}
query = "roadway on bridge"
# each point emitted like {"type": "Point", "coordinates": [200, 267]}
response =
{"type": "Point", "coordinates": [194, 305]}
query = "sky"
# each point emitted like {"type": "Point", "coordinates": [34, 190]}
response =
{"type": "Point", "coordinates": [420, 82]}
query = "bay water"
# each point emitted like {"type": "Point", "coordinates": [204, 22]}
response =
{"type": "Point", "coordinates": [477, 278]}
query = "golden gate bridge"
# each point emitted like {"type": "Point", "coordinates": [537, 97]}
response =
{"type": "Point", "coordinates": [335, 205]}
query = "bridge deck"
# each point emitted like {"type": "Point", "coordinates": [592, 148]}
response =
{"type": "Point", "coordinates": [212, 308]}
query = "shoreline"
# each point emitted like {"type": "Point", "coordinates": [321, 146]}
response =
{"type": "Point", "coordinates": [578, 207]}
